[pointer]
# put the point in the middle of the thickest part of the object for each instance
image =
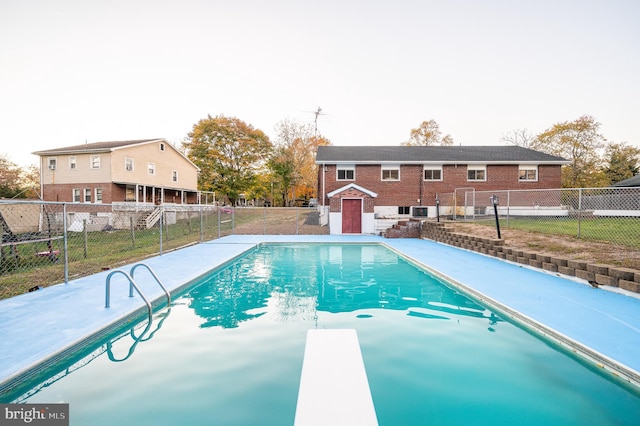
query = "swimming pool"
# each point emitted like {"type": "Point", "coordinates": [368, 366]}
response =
{"type": "Point", "coordinates": [230, 349]}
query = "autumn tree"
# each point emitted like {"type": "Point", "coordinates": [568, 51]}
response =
{"type": "Point", "coordinates": [579, 141]}
{"type": "Point", "coordinates": [428, 134]}
{"type": "Point", "coordinates": [519, 137]}
{"type": "Point", "coordinates": [623, 162]}
{"type": "Point", "coordinates": [16, 182]}
{"type": "Point", "coordinates": [293, 164]}
{"type": "Point", "coordinates": [230, 154]}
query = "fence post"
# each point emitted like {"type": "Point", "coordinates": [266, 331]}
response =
{"type": "Point", "coordinates": [86, 238]}
{"type": "Point", "coordinates": [579, 210]}
{"type": "Point", "coordinates": [133, 232]}
{"type": "Point", "coordinates": [508, 206]}
{"type": "Point", "coordinates": [201, 225]}
{"type": "Point", "coordinates": [66, 243]}
{"type": "Point", "coordinates": [161, 225]}
{"type": "Point", "coordinates": [297, 220]}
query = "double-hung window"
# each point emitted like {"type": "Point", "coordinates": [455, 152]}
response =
{"type": "Point", "coordinates": [390, 172]}
{"type": "Point", "coordinates": [128, 164]}
{"type": "Point", "coordinates": [72, 163]}
{"type": "Point", "coordinates": [95, 161]}
{"type": "Point", "coordinates": [174, 176]}
{"type": "Point", "coordinates": [346, 172]}
{"type": "Point", "coordinates": [151, 168]}
{"type": "Point", "coordinates": [76, 195]}
{"type": "Point", "coordinates": [476, 173]}
{"type": "Point", "coordinates": [432, 172]}
{"type": "Point", "coordinates": [87, 195]}
{"type": "Point", "coordinates": [528, 173]}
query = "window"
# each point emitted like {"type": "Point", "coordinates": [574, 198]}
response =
{"type": "Point", "coordinates": [433, 173]}
{"type": "Point", "coordinates": [72, 163]}
{"type": "Point", "coordinates": [404, 209]}
{"type": "Point", "coordinates": [52, 163]}
{"type": "Point", "coordinates": [98, 195]}
{"type": "Point", "coordinates": [161, 146]}
{"type": "Point", "coordinates": [128, 164]}
{"type": "Point", "coordinates": [346, 173]}
{"type": "Point", "coordinates": [76, 195]}
{"type": "Point", "coordinates": [528, 173]}
{"type": "Point", "coordinates": [174, 176]}
{"type": "Point", "coordinates": [151, 169]}
{"type": "Point", "coordinates": [390, 172]}
{"type": "Point", "coordinates": [95, 161]}
{"type": "Point", "coordinates": [476, 173]}
{"type": "Point", "coordinates": [87, 195]}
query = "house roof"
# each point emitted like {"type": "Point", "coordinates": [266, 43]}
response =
{"type": "Point", "coordinates": [96, 147]}
{"type": "Point", "coordinates": [433, 154]}
{"type": "Point", "coordinates": [632, 181]}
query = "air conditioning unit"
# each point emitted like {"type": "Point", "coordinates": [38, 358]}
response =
{"type": "Point", "coordinates": [420, 211]}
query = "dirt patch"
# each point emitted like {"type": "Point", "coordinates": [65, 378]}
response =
{"type": "Point", "coordinates": [565, 246]}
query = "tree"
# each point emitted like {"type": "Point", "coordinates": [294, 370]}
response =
{"type": "Point", "coordinates": [230, 154]}
{"type": "Point", "coordinates": [10, 176]}
{"type": "Point", "coordinates": [294, 163]}
{"type": "Point", "coordinates": [519, 137]}
{"type": "Point", "coordinates": [622, 162]}
{"type": "Point", "coordinates": [579, 141]}
{"type": "Point", "coordinates": [428, 134]}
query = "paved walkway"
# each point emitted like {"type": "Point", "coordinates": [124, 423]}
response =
{"type": "Point", "coordinates": [36, 325]}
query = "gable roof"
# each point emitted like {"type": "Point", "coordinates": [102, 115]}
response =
{"type": "Point", "coordinates": [632, 181]}
{"type": "Point", "coordinates": [352, 186]}
{"type": "Point", "coordinates": [433, 154]}
{"type": "Point", "coordinates": [97, 147]}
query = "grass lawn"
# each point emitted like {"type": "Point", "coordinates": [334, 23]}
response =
{"type": "Point", "coordinates": [617, 230]}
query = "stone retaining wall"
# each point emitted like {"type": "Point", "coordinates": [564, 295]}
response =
{"type": "Point", "coordinates": [595, 273]}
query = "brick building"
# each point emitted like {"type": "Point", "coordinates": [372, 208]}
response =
{"type": "Point", "coordinates": [359, 184]}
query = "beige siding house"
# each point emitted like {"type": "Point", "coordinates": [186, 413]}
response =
{"type": "Point", "coordinates": [138, 171]}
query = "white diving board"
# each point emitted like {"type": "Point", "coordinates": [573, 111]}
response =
{"type": "Point", "coordinates": [334, 389]}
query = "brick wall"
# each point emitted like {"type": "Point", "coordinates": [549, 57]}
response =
{"type": "Point", "coordinates": [411, 187]}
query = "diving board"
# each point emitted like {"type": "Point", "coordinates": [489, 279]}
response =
{"type": "Point", "coordinates": [334, 389]}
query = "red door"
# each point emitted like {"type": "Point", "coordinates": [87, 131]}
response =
{"type": "Point", "coordinates": [351, 216]}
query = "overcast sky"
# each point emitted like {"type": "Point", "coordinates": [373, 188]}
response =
{"type": "Point", "coordinates": [85, 70]}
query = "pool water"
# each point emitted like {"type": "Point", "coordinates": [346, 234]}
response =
{"type": "Point", "coordinates": [229, 351]}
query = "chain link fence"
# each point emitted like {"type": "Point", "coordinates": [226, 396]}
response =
{"type": "Point", "coordinates": [597, 214]}
{"type": "Point", "coordinates": [45, 243]}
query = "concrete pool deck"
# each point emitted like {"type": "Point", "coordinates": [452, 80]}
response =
{"type": "Point", "coordinates": [34, 326]}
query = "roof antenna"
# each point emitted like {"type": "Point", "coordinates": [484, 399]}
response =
{"type": "Point", "coordinates": [317, 113]}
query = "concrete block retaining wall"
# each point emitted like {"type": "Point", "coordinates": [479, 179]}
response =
{"type": "Point", "coordinates": [595, 273]}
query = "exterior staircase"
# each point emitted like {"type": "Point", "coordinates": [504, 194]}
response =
{"type": "Point", "coordinates": [405, 229]}
{"type": "Point", "coordinates": [147, 220]}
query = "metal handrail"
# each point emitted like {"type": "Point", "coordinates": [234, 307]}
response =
{"type": "Point", "coordinates": [133, 268]}
{"type": "Point", "coordinates": [132, 285]}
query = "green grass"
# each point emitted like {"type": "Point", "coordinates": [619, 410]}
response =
{"type": "Point", "coordinates": [96, 251]}
{"type": "Point", "coordinates": [615, 230]}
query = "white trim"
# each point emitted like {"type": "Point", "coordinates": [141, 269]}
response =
{"type": "Point", "coordinates": [352, 186]}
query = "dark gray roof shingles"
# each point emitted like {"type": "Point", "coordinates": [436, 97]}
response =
{"type": "Point", "coordinates": [373, 154]}
{"type": "Point", "coordinates": [96, 146]}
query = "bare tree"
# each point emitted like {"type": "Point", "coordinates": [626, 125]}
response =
{"type": "Point", "coordinates": [519, 137]}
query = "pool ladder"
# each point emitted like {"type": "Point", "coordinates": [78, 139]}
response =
{"type": "Point", "coordinates": [133, 285]}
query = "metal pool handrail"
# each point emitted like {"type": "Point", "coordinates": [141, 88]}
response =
{"type": "Point", "coordinates": [133, 268]}
{"type": "Point", "coordinates": [131, 287]}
